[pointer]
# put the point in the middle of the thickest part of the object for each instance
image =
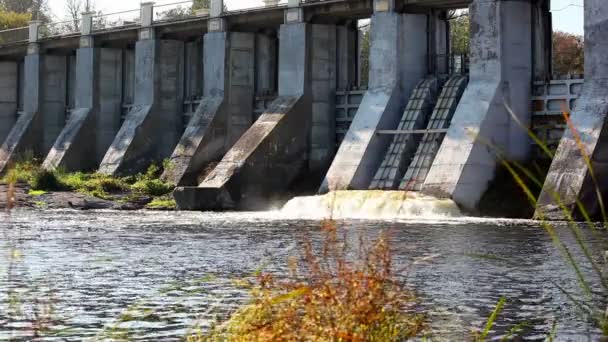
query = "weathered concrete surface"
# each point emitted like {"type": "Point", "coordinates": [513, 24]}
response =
{"type": "Point", "coordinates": [346, 73]}
{"type": "Point", "coordinates": [265, 64]}
{"type": "Point", "coordinates": [44, 109]}
{"type": "Point", "coordinates": [323, 78]}
{"type": "Point", "coordinates": [9, 85]}
{"type": "Point", "coordinates": [153, 127]}
{"type": "Point", "coordinates": [94, 121]}
{"type": "Point", "coordinates": [398, 61]}
{"type": "Point", "coordinates": [225, 112]}
{"type": "Point", "coordinates": [500, 74]}
{"type": "Point", "coordinates": [569, 177]}
{"type": "Point", "coordinates": [273, 151]}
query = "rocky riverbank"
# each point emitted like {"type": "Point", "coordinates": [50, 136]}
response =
{"type": "Point", "coordinates": [24, 197]}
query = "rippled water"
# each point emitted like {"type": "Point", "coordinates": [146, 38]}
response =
{"type": "Point", "coordinates": [165, 273]}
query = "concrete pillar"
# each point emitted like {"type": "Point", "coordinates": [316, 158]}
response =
{"type": "Point", "coordinates": [9, 85]}
{"type": "Point", "coordinates": [153, 127]}
{"type": "Point", "coordinates": [323, 78]}
{"type": "Point", "coordinates": [569, 177]}
{"type": "Point", "coordinates": [226, 110]}
{"type": "Point", "coordinates": [94, 100]}
{"type": "Point", "coordinates": [398, 61]}
{"type": "Point", "coordinates": [500, 75]}
{"type": "Point", "coordinates": [273, 151]}
{"type": "Point", "coordinates": [95, 117]}
{"type": "Point", "coordinates": [45, 90]}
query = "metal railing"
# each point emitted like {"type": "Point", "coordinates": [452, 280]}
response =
{"type": "Point", "coordinates": [125, 19]}
{"type": "Point", "coordinates": [115, 20]}
{"type": "Point", "coordinates": [58, 29]}
{"type": "Point", "coordinates": [253, 6]}
{"type": "Point", "coordinates": [15, 35]}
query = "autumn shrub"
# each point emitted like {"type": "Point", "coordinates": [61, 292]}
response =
{"type": "Point", "coordinates": [328, 297]}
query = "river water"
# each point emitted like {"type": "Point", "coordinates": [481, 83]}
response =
{"type": "Point", "coordinates": [158, 276]}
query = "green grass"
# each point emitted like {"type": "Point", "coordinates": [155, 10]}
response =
{"type": "Point", "coordinates": [37, 193]}
{"type": "Point", "coordinates": [93, 184]}
{"type": "Point", "coordinates": [162, 203]}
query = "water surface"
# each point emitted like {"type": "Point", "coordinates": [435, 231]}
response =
{"type": "Point", "coordinates": [155, 276]}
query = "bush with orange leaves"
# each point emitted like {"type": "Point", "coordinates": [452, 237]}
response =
{"type": "Point", "coordinates": [327, 298]}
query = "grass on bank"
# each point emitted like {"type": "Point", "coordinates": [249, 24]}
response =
{"type": "Point", "coordinates": [92, 184]}
{"type": "Point", "coordinates": [327, 297]}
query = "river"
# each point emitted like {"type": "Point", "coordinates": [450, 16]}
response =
{"type": "Point", "coordinates": [157, 276]}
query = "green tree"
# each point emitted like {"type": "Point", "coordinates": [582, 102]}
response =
{"type": "Point", "coordinates": [9, 20]}
{"type": "Point", "coordinates": [459, 33]}
{"type": "Point", "coordinates": [199, 4]}
{"type": "Point", "coordinates": [38, 9]}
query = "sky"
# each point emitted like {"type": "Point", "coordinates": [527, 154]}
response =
{"type": "Point", "coordinates": [567, 14]}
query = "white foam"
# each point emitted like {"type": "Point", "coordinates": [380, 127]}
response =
{"type": "Point", "coordinates": [370, 205]}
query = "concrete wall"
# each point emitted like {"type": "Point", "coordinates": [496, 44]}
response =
{"type": "Point", "coordinates": [193, 66]}
{"type": "Point", "coordinates": [242, 85]}
{"type": "Point", "coordinates": [347, 55]}
{"type": "Point", "coordinates": [152, 128]}
{"type": "Point", "coordinates": [9, 84]}
{"type": "Point", "coordinates": [500, 76]}
{"type": "Point", "coordinates": [323, 86]}
{"type": "Point", "coordinates": [109, 86]}
{"type": "Point", "coordinates": [398, 61]}
{"type": "Point", "coordinates": [54, 100]}
{"type": "Point", "coordinates": [569, 177]}
{"type": "Point", "coordinates": [266, 64]}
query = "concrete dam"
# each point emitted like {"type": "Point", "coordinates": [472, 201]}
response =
{"type": "Point", "coordinates": [245, 104]}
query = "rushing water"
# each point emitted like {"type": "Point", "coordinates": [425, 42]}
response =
{"type": "Point", "coordinates": [154, 276]}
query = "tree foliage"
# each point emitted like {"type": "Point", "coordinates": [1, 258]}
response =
{"type": "Point", "coordinates": [38, 9]}
{"type": "Point", "coordinates": [459, 32]}
{"type": "Point", "coordinates": [568, 53]}
{"type": "Point", "coordinates": [9, 20]}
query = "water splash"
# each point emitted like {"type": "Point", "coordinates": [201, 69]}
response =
{"type": "Point", "coordinates": [375, 205]}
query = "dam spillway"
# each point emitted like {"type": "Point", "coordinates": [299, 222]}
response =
{"type": "Point", "coordinates": [244, 104]}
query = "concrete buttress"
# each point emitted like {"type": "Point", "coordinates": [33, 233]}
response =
{"type": "Point", "coordinates": [482, 128]}
{"type": "Point", "coordinates": [226, 110]}
{"type": "Point", "coordinates": [267, 158]}
{"type": "Point", "coordinates": [152, 128]}
{"type": "Point", "coordinates": [43, 117]}
{"type": "Point", "coordinates": [570, 179]}
{"type": "Point", "coordinates": [95, 120]}
{"type": "Point", "coordinates": [398, 61]}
